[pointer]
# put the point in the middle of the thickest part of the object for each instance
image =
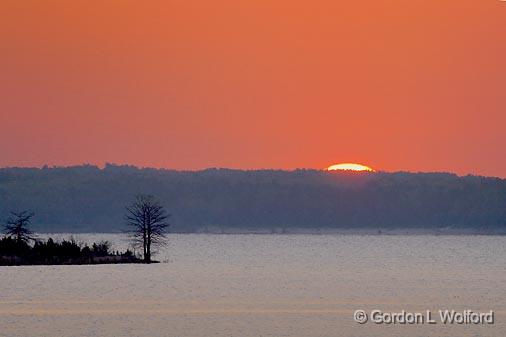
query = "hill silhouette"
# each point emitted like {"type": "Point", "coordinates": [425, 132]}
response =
{"type": "Point", "coordinates": [90, 199]}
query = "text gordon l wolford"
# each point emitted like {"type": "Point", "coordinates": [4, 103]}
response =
{"type": "Point", "coordinates": [445, 316]}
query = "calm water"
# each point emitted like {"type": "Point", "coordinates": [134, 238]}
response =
{"type": "Point", "coordinates": [262, 285]}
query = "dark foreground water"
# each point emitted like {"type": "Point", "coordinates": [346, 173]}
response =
{"type": "Point", "coordinates": [263, 285]}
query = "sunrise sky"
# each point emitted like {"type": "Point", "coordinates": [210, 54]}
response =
{"type": "Point", "coordinates": [397, 85]}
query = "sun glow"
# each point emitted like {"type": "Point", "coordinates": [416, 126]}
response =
{"type": "Point", "coordinates": [349, 167]}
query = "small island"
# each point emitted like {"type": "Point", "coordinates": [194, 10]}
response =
{"type": "Point", "coordinates": [16, 248]}
{"type": "Point", "coordinates": [145, 219]}
{"type": "Point", "coordinates": [51, 252]}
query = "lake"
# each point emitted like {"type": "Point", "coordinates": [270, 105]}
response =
{"type": "Point", "coordinates": [263, 285]}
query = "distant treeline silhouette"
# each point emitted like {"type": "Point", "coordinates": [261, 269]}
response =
{"type": "Point", "coordinates": [87, 198]}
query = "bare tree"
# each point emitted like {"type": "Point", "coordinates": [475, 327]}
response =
{"type": "Point", "coordinates": [17, 226]}
{"type": "Point", "coordinates": [146, 220]}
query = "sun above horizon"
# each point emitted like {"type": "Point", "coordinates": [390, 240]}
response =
{"type": "Point", "coordinates": [350, 167]}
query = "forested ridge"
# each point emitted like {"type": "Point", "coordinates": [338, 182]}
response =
{"type": "Point", "coordinates": [87, 198]}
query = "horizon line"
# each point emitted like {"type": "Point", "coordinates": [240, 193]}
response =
{"type": "Point", "coordinates": [109, 165]}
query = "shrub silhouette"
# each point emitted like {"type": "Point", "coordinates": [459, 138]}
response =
{"type": "Point", "coordinates": [69, 251]}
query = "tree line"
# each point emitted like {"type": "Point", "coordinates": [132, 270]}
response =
{"type": "Point", "coordinates": [92, 199]}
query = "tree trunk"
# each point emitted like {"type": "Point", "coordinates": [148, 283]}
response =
{"type": "Point", "coordinates": [148, 248]}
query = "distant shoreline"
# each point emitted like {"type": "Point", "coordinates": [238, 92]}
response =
{"type": "Point", "coordinates": [354, 231]}
{"type": "Point", "coordinates": [319, 231]}
{"type": "Point", "coordinates": [263, 201]}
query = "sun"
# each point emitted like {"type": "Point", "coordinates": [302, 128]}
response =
{"type": "Point", "coordinates": [350, 167]}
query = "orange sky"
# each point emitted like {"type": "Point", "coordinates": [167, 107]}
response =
{"type": "Point", "coordinates": [415, 85]}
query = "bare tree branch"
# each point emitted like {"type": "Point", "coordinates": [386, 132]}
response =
{"type": "Point", "coordinates": [17, 226]}
{"type": "Point", "coordinates": [147, 226]}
